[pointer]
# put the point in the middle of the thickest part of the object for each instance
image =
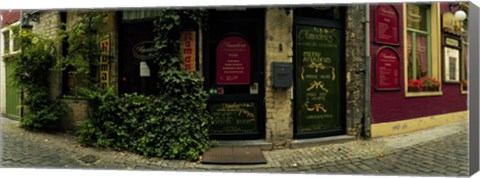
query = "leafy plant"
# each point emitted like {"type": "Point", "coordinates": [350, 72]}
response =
{"type": "Point", "coordinates": [430, 82]}
{"type": "Point", "coordinates": [172, 124]}
{"type": "Point", "coordinates": [83, 50]}
{"type": "Point", "coordinates": [36, 58]}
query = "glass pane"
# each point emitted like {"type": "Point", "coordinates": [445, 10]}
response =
{"type": "Point", "coordinates": [410, 55]}
{"type": "Point", "coordinates": [417, 17]}
{"type": "Point", "coordinates": [16, 43]}
{"type": "Point", "coordinates": [422, 55]}
{"type": "Point", "coordinates": [6, 42]}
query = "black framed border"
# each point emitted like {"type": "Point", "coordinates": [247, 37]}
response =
{"type": "Point", "coordinates": [375, 28]}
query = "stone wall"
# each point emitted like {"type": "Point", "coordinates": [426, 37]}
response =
{"type": "Point", "coordinates": [48, 26]}
{"type": "Point", "coordinates": [355, 68]}
{"type": "Point", "coordinates": [79, 113]}
{"type": "Point", "coordinates": [278, 102]}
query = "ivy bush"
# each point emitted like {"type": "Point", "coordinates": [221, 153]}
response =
{"type": "Point", "coordinates": [172, 124]}
{"type": "Point", "coordinates": [37, 58]}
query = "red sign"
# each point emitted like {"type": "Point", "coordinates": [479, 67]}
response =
{"type": "Point", "coordinates": [387, 69]}
{"type": "Point", "coordinates": [188, 49]}
{"type": "Point", "coordinates": [233, 61]}
{"type": "Point", "coordinates": [386, 25]}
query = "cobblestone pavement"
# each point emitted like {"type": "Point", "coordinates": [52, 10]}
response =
{"type": "Point", "coordinates": [441, 151]}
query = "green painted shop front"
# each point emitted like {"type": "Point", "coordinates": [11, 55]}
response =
{"type": "Point", "coordinates": [319, 61]}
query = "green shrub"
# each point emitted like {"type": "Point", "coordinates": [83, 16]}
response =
{"type": "Point", "coordinates": [31, 65]}
{"type": "Point", "coordinates": [173, 124]}
{"type": "Point", "coordinates": [148, 125]}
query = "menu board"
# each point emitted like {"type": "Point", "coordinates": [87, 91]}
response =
{"type": "Point", "coordinates": [386, 25]}
{"type": "Point", "coordinates": [233, 61]}
{"type": "Point", "coordinates": [233, 118]}
{"type": "Point", "coordinates": [318, 82]}
{"type": "Point", "coordinates": [387, 69]}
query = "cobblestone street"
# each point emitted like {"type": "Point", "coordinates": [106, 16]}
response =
{"type": "Point", "coordinates": [440, 151]}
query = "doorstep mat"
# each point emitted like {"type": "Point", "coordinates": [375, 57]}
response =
{"type": "Point", "coordinates": [233, 155]}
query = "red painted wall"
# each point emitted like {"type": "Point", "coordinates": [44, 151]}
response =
{"type": "Point", "coordinates": [9, 17]}
{"type": "Point", "coordinates": [388, 106]}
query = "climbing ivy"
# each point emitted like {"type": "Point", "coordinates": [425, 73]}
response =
{"type": "Point", "coordinates": [31, 65]}
{"type": "Point", "coordinates": [172, 124]}
{"type": "Point", "coordinates": [83, 49]}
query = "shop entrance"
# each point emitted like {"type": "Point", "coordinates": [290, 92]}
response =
{"type": "Point", "coordinates": [137, 70]}
{"type": "Point", "coordinates": [319, 72]}
{"type": "Point", "coordinates": [234, 73]}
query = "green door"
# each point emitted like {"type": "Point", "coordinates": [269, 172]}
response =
{"type": "Point", "coordinates": [12, 95]}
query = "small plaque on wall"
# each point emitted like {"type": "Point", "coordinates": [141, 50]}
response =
{"type": "Point", "coordinates": [387, 69]}
{"type": "Point", "coordinates": [451, 64]}
{"type": "Point", "coordinates": [386, 25]}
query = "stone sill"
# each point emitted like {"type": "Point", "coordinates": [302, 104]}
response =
{"type": "Point", "coordinates": [260, 143]}
{"type": "Point", "coordinates": [322, 141]}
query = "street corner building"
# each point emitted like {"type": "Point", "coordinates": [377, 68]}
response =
{"type": "Point", "coordinates": [287, 76]}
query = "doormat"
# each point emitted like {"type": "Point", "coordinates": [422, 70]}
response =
{"type": "Point", "coordinates": [234, 155]}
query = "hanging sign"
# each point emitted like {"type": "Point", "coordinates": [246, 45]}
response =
{"type": "Point", "coordinates": [104, 66]}
{"type": "Point", "coordinates": [144, 50]}
{"type": "Point", "coordinates": [387, 69]}
{"type": "Point", "coordinates": [233, 61]}
{"type": "Point", "coordinates": [386, 25]}
{"type": "Point", "coordinates": [188, 50]}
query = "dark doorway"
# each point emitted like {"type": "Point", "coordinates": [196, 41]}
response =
{"type": "Point", "coordinates": [137, 70]}
{"type": "Point", "coordinates": [234, 73]}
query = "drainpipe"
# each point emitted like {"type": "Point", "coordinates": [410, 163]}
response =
{"type": "Point", "coordinates": [366, 112]}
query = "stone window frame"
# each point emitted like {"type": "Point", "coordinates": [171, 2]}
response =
{"type": "Point", "coordinates": [11, 39]}
{"type": "Point", "coordinates": [435, 50]}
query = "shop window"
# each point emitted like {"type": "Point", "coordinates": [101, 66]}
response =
{"type": "Point", "coordinates": [422, 49]}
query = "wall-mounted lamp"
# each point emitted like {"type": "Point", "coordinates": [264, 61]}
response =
{"type": "Point", "coordinates": [27, 16]}
{"type": "Point", "coordinates": [459, 13]}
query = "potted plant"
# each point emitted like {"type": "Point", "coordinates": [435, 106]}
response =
{"type": "Point", "coordinates": [430, 84]}
{"type": "Point", "coordinates": [415, 85]}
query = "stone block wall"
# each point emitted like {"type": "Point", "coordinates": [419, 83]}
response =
{"type": "Point", "coordinates": [79, 113]}
{"type": "Point", "coordinates": [355, 68]}
{"type": "Point", "coordinates": [278, 102]}
{"type": "Point", "coordinates": [48, 26]}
